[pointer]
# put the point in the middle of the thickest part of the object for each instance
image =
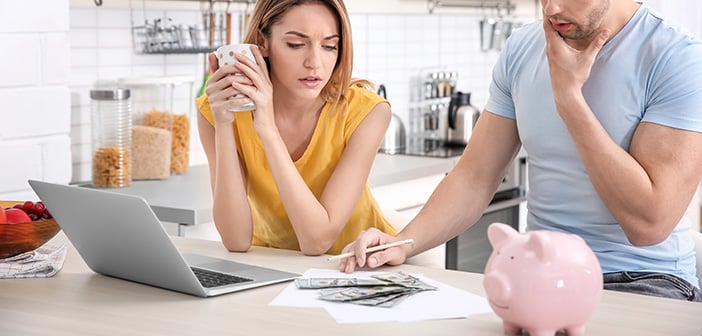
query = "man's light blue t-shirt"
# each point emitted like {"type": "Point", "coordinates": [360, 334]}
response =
{"type": "Point", "coordinates": [648, 72]}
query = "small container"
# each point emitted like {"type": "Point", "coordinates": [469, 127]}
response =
{"type": "Point", "coordinates": [199, 36]}
{"type": "Point", "coordinates": [184, 37]}
{"type": "Point", "coordinates": [441, 84]}
{"type": "Point", "coordinates": [112, 137]}
{"type": "Point", "coordinates": [164, 102]}
{"type": "Point", "coordinates": [435, 85]}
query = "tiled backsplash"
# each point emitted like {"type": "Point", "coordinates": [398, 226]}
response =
{"type": "Point", "coordinates": [389, 49]}
{"type": "Point", "coordinates": [102, 51]}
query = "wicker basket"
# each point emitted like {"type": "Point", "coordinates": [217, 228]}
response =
{"type": "Point", "coordinates": [17, 238]}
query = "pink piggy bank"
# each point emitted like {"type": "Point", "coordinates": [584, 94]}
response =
{"type": "Point", "coordinates": [541, 281]}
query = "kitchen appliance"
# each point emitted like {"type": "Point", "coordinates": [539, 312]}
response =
{"type": "Point", "coordinates": [395, 136]}
{"type": "Point", "coordinates": [462, 117]}
{"type": "Point", "coordinates": [470, 250]}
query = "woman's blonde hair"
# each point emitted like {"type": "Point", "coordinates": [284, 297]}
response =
{"type": "Point", "coordinates": [267, 13]}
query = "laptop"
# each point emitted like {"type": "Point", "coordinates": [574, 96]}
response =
{"type": "Point", "coordinates": [120, 236]}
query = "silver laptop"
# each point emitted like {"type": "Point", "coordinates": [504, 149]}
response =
{"type": "Point", "coordinates": [120, 236]}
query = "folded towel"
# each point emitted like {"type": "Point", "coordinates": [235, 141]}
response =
{"type": "Point", "coordinates": [43, 262]}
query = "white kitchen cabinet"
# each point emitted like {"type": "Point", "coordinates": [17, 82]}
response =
{"type": "Point", "coordinates": [407, 198]}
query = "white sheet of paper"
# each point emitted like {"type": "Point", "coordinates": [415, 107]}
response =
{"type": "Point", "coordinates": [446, 302]}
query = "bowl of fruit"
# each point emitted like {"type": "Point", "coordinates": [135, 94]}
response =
{"type": "Point", "coordinates": [24, 226]}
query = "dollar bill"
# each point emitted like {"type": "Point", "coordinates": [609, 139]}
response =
{"type": "Point", "coordinates": [358, 293]}
{"type": "Point", "coordinates": [404, 279]}
{"type": "Point", "coordinates": [381, 290]}
{"type": "Point", "coordinates": [386, 301]}
{"type": "Point", "coordinates": [316, 283]}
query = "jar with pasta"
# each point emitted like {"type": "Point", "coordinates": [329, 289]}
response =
{"type": "Point", "coordinates": [111, 137]}
{"type": "Point", "coordinates": [164, 103]}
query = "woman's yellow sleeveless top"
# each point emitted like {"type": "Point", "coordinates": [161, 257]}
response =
{"type": "Point", "coordinates": [271, 225]}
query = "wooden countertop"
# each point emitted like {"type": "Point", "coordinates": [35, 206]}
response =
{"type": "Point", "coordinates": [79, 301]}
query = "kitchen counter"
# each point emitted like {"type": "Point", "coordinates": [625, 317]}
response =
{"type": "Point", "coordinates": [388, 169]}
{"type": "Point", "coordinates": [77, 301]}
{"type": "Point", "coordinates": [186, 199]}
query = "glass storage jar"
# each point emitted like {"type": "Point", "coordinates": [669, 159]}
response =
{"type": "Point", "coordinates": [166, 103]}
{"type": "Point", "coordinates": [111, 134]}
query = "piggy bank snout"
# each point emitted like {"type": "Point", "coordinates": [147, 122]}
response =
{"type": "Point", "coordinates": [498, 288]}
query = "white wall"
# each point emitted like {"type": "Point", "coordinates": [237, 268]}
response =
{"type": "Point", "coordinates": [66, 47]}
{"type": "Point", "coordinates": [685, 13]}
{"type": "Point", "coordinates": [34, 95]}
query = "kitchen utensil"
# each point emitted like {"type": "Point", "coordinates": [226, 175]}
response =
{"type": "Point", "coordinates": [497, 36]}
{"type": "Point", "coordinates": [199, 36]}
{"type": "Point", "coordinates": [487, 33]}
{"type": "Point", "coordinates": [503, 29]}
{"type": "Point", "coordinates": [228, 23]}
{"type": "Point", "coordinates": [244, 20]}
{"type": "Point", "coordinates": [394, 139]}
{"type": "Point", "coordinates": [462, 117]}
{"type": "Point", "coordinates": [184, 38]}
{"type": "Point", "coordinates": [211, 24]}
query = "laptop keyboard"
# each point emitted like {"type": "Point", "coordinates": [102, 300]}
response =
{"type": "Point", "coordinates": [210, 279]}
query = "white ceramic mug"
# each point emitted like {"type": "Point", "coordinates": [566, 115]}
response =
{"type": "Point", "coordinates": [225, 56]}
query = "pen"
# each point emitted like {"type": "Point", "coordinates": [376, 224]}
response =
{"type": "Point", "coordinates": [373, 249]}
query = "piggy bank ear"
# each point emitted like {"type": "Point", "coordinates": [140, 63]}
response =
{"type": "Point", "coordinates": [542, 245]}
{"type": "Point", "coordinates": [498, 232]}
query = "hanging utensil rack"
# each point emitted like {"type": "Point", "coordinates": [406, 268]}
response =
{"type": "Point", "coordinates": [164, 37]}
{"type": "Point", "coordinates": [499, 5]}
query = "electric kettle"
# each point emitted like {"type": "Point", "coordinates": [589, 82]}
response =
{"type": "Point", "coordinates": [462, 117]}
{"type": "Point", "coordinates": [394, 140]}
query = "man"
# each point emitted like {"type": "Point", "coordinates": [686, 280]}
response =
{"type": "Point", "coordinates": [606, 99]}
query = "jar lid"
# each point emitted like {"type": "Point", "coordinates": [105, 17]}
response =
{"type": "Point", "coordinates": [109, 94]}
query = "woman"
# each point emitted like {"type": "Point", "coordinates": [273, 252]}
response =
{"type": "Point", "coordinates": [293, 173]}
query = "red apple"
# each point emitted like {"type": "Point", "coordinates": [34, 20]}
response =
{"type": "Point", "coordinates": [15, 215]}
{"type": "Point", "coordinates": [3, 217]}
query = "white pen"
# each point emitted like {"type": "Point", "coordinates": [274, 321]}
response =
{"type": "Point", "coordinates": [373, 249]}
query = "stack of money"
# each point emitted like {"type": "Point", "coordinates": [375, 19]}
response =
{"type": "Point", "coordinates": [383, 290]}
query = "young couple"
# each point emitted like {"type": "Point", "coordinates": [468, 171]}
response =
{"type": "Point", "coordinates": [609, 120]}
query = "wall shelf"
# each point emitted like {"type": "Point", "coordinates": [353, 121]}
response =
{"type": "Point", "coordinates": [162, 36]}
{"type": "Point", "coordinates": [179, 51]}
